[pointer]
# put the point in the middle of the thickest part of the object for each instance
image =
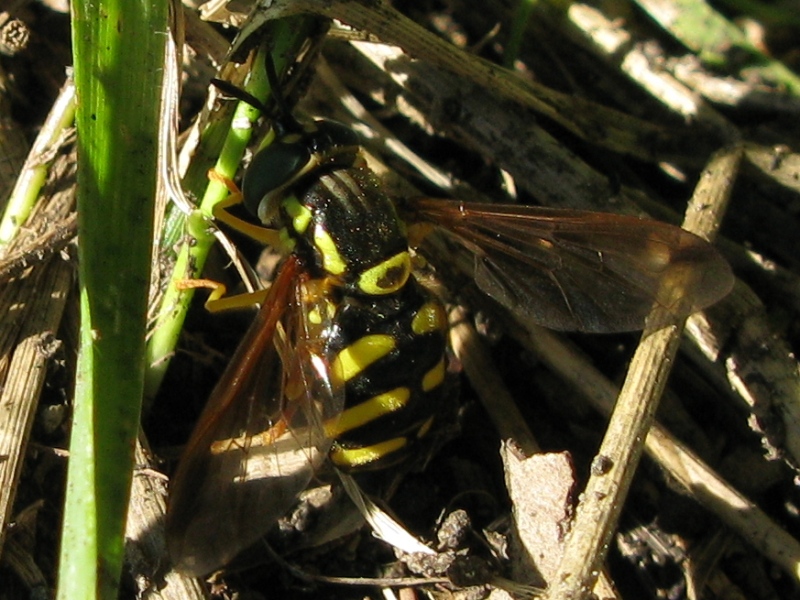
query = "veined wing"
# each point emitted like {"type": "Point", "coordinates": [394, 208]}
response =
{"type": "Point", "coordinates": [260, 438]}
{"type": "Point", "coordinates": [579, 270]}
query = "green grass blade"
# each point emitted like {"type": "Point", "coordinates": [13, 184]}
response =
{"type": "Point", "coordinates": [517, 33]}
{"type": "Point", "coordinates": [34, 173]}
{"type": "Point", "coordinates": [119, 52]}
{"type": "Point", "coordinates": [718, 41]}
{"type": "Point", "coordinates": [286, 37]}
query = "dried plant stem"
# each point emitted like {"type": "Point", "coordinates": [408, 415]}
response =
{"type": "Point", "coordinates": [44, 294]}
{"type": "Point", "coordinates": [499, 403]}
{"type": "Point", "coordinates": [482, 373]}
{"type": "Point", "coordinates": [620, 131]}
{"type": "Point", "coordinates": [146, 547]}
{"type": "Point", "coordinates": [614, 466]}
{"type": "Point", "coordinates": [701, 482]}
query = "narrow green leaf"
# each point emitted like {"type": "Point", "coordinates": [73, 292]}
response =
{"type": "Point", "coordinates": [119, 54]}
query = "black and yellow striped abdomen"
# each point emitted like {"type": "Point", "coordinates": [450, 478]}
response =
{"type": "Point", "coordinates": [389, 353]}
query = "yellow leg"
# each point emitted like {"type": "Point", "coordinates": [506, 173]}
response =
{"type": "Point", "coordinates": [264, 235]}
{"type": "Point", "coordinates": [216, 302]}
{"type": "Point", "coordinates": [226, 181]}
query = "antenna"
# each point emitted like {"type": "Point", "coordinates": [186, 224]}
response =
{"type": "Point", "coordinates": [284, 120]}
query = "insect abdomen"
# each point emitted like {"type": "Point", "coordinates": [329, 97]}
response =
{"type": "Point", "coordinates": [389, 353]}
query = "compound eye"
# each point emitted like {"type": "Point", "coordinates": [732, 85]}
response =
{"type": "Point", "coordinates": [271, 169]}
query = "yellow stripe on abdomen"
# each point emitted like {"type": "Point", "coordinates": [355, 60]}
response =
{"type": "Point", "coordinates": [368, 411]}
{"type": "Point", "coordinates": [358, 457]}
{"type": "Point", "coordinates": [430, 318]}
{"type": "Point", "coordinates": [359, 355]}
{"type": "Point", "coordinates": [434, 377]}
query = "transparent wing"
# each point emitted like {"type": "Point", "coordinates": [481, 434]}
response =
{"type": "Point", "coordinates": [580, 270]}
{"type": "Point", "coordinates": [260, 438]}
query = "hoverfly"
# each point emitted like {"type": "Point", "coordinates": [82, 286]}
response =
{"type": "Point", "coordinates": [345, 360]}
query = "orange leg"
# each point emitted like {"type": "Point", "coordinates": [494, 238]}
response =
{"type": "Point", "coordinates": [215, 301]}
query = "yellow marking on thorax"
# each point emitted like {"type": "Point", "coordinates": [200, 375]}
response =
{"type": "Point", "coordinates": [434, 377]}
{"type": "Point", "coordinates": [429, 318]}
{"type": "Point", "coordinates": [286, 242]}
{"type": "Point", "coordinates": [386, 277]}
{"type": "Point", "coordinates": [301, 215]}
{"type": "Point", "coordinates": [368, 411]}
{"type": "Point", "coordinates": [332, 261]}
{"type": "Point", "coordinates": [357, 457]}
{"type": "Point", "coordinates": [356, 357]}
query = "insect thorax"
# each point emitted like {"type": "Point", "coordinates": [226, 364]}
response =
{"type": "Point", "coordinates": [347, 229]}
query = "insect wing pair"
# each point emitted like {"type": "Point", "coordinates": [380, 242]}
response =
{"type": "Point", "coordinates": [574, 270]}
{"type": "Point", "coordinates": [261, 438]}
